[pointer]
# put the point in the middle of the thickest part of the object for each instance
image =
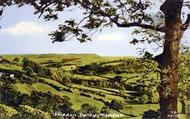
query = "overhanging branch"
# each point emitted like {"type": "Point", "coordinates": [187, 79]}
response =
{"type": "Point", "coordinates": [136, 24]}
{"type": "Point", "coordinates": [115, 20]}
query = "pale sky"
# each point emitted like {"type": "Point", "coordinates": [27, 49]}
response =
{"type": "Point", "coordinates": [23, 33]}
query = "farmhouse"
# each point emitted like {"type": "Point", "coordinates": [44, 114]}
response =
{"type": "Point", "coordinates": [12, 75]}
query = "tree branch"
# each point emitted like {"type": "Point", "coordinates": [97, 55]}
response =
{"type": "Point", "coordinates": [133, 24]}
{"type": "Point", "coordinates": [186, 24]}
{"type": "Point", "coordinates": [136, 24]}
{"type": "Point", "coordinates": [43, 8]}
{"type": "Point", "coordinates": [115, 20]}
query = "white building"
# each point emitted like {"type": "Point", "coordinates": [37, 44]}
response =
{"type": "Point", "coordinates": [12, 75]}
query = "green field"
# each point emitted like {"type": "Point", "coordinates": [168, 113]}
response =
{"type": "Point", "coordinates": [96, 90]}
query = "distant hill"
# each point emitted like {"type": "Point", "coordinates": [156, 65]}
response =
{"type": "Point", "coordinates": [8, 56]}
{"type": "Point", "coordinates": [66, 58]}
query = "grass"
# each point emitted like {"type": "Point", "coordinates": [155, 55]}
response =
{"type": "Point", "coordinates": [10, 67]}
{"type": "Point", "coordinates": [135, 110]}
{"type": "Point", "coordinates": [182, 116]}
{"type": "Point", "coordinates": [43, 88]}
{"type": "Point", "coordinates": [53, 82]}
{"type": "Point", "coordinates": [81, 59]}
{"type": "Point", "coordinates": [90, 88]}
{"type": "Point", "coordinates": [76, 99]}
{"type": "Point", "coordinates": [138, 109]}
{"type": "Point", "coordinates": [23, 88]}
{"type": "Point", "coordinates": [7, 111]}
{"type": "Point", "coordinates": [131, 111]}
{"type": "Point", "coordinates": [108, 95]}
{"type": "Point", "coordinates": [88, 77]}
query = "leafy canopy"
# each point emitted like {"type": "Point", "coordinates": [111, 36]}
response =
{"type": "Point", "coordinates": [98, 14]}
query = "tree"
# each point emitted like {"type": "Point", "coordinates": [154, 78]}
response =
{"type": "Point", "coordinates": [66, 80]}
{"type": "Point", "coordinates": [184, 77]}
{"type": "Point", "coordinates": [98, 14]}
{"type": "Point", "coordinates": [116, 105]}
{"type": "Point", "coordinates": [16, 60]}
{"type": "Point", "coordinates": [27, 112]}
{"type": "Point", "coordinates": [29, 72]}
{"type": "Point", "coordinates": [32, 67]}
{"type": "Point", "coordinates": [88, 109]}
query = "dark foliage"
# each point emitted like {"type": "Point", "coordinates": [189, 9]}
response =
{"type": "Point", "coordinates": [151, 114]}
{"type": "Point", "coordinates": [31, 67]}
{"type": "Point", "coordinates": [116, 105]}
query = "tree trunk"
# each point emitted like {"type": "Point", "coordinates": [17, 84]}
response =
{"type": "Point", "coordinates": [168, 59]}
{"type": "Point", "coordinates": [169, 76]}
{"type": "Point", "coordinates": [168, 97]}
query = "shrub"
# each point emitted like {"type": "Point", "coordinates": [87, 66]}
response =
{"type": "Point", "coordinates": [6, 112]}
{"type": "Point", "coordinates": [118, 78]}
{"type": "Point", "coordinates": [67, 90]}
{"type": "Point", "coordinates": [105, 110]}
{"type": "Point", "coordinates": [29, 71]}
{"type": "Point", "coordinates": [86, 95]}
{"type": "Point", "coordinates": [151, 114]}
{"type": "Point", "coordinates": [128, 87]}
{"type": "Point", "coordinates": [27, 112]}
{"type": "Point", "coordinates": [99, 99]}
{"type": "Point", "coordinates": [16, 60]}
{"type": "Point", "coordinates": [100, 94]}
{"type": "Point", "coordinates": [116, 105]}
{"type": "Point", "coordinates": [36, 68]}
{"type": "Point", "coordinates": [48, 102]}
{"type": "Point", "coordinates": [143, 99]}
{"type": "Point", "coordinates": [66, 80]}
{"type": "Point", "coordinates": [154, 98]}
{"type": "Point", "coordinates": [88, 109]}
{"type": "Point", "coordinates": [9, 96]}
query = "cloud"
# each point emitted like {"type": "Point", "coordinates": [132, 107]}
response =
{"type": "Point", "coordinates": [25, 28]}
{"type": "Point", "coordinates": [112, 36]}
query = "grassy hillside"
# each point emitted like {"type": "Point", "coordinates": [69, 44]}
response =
{"type": "Point", "coordinates": [121, 85]}
{"type": "Point", "coordinates": [66, 58]}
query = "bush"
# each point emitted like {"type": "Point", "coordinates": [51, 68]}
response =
{"type": "Point", "coordinates": [16, 60]}
{"type": "Point", "coordinates": [143, 99]}
{"type": "Point", "coordinates": [67, 90]}
{"type": "Point", "coordinates": [9, 96]}
{"type": "Point", "coordinates": [116, 105]}
{"type": "Point", "coordinates": [99, 99]}
{"type": "Point", "coordinates": [29, 72]}
{"type": "Point", "coordinates": [129, 87]}
{"type": "Point", "coordinates": [118, 78]}
{"type": "Point", "coordinates": [105, 110]}
{"type": "Point", "coordinates": [66, 80]}
{"type": "Point", "coordinates": [27, 112]}
{"type": "Point", "coordinates": [88, 109]}
{"type": "Point", "coordinates": [86, 95]}
{"type": "Point", "coordinates": [29, 65]}
{"type": "Point", "coordinates": [151, 114]}
{"type": "Point", "coordinates": [154, 97]}
{"type": "Point", "coordinates": [100, 94]}
{"type": "Point", "coordinates": [48, 102]}
{"type": "Point", "coordinates": [6, 112]}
